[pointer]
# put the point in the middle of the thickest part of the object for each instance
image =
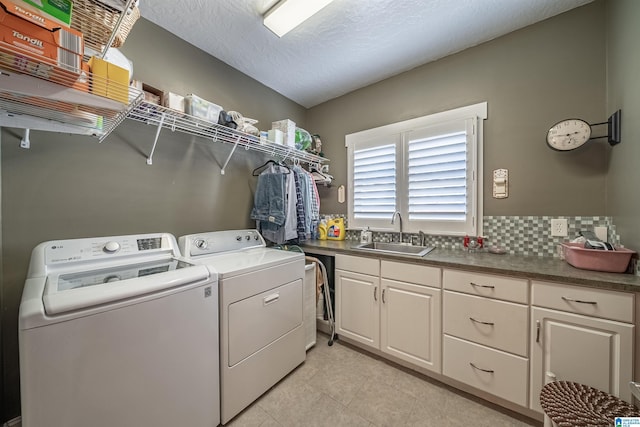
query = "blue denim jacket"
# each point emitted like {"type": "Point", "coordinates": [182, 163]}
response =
{"type": "Point", "coordinates": [270, 199]}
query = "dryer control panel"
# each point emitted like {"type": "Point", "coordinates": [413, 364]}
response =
{"type": "Point", "coordinates": [194, 245]}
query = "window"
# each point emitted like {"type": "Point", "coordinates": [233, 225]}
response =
{"type": "Point", "coordinates": [424, 168]}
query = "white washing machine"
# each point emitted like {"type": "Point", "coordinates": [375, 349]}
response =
{"type": "Point", "coordinates": [117, 331]}
{"type": "Point", "coordinates": [261, 324]}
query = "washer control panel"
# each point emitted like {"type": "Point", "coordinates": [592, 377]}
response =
{"type": "Point", "coordinates": [219, 241]}
{"type": "Point", "coordinates": [74, 250]}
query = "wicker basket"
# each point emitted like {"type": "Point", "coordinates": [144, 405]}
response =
{"type": "Point", "coordinates": [97, 22]}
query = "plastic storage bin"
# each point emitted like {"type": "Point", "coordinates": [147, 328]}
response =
{"type": "Point", "coordinates": [198, 107]}
{"type": "Point", "coordinates": [595, 259]}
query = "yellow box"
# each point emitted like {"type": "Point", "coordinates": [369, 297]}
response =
{"type": "Point", "coordinates": [109, 80]}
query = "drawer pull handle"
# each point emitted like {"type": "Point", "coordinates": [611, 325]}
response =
{"type": "Point", "coordinates": [490, 371]}
{"type": "Point", "coordinates": [481, 322]}
{"type": "Point", "coordinates": [383, 301]}
{"type": "Point", "coordinates": [579, 301]}
{"type": "Point", "coordinates": [537, 331]}
{"type": "Point", "coordinates": [375, 293]}
{"type": "Point", "coordinates": [482, 286]}
{"type": "Point", "coordinates": [271, 298]}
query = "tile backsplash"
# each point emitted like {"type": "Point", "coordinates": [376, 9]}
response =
{"type": "Point", "coordinates": [522, 235]}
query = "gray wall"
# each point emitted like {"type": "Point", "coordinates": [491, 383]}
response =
{"type": "Point", "coordinates": [531, 79]}
{"type": "Point", "coordinates": [69, 186]}
{"type": "Point", "coordinates": [623, 60]}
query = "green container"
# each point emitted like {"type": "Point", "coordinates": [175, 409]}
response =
{"type": "Point", "coordinates": [57, 10]}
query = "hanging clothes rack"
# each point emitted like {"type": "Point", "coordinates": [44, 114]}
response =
{"type": "Point", "coordinates": [174, 120]}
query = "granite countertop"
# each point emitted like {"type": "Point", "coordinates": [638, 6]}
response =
{"type": "Point", "coordinates": [530, 267]}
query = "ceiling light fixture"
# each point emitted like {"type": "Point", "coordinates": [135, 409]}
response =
{"type": "Point", "coordinates": [288, 14]}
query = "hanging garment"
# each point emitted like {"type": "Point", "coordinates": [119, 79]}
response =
{"type": "Point", "coordinates": [280, 234]}
{"type": "Point", "coordinates": [270, 199]}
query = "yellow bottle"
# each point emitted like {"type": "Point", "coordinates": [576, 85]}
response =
{"type": "Point", "coordinates": [322, 231]}
{"type": "Point", "coordinates": [335, 229]}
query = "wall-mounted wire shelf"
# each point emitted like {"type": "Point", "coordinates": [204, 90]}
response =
{"type": "Point", "coordinates": [36, 94]}
{"type": "Point", "coordinates": [175, 120]}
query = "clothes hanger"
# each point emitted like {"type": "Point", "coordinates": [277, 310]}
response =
{"type": "Point", "coordinates": [268, 162]}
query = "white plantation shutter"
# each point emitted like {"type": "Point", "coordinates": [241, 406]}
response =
{"type": "Point", "coordinates": [374, 182]}
{"type": "Point", "coordinates": [425, 168]}
{"type": "Point", "coordinates": [437, 179]}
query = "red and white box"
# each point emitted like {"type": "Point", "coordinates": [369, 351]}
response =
{"type": "Point", "coordinates": [37, 46]}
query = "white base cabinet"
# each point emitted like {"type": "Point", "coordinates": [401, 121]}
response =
{"type": "Point", "coordinates": [502, 335]}
{"type": "Point", "coordinates": [357, 310]}
{"type": "Point", "coordinates": [396, 314]}
{"type": "Point", "coordinates": [497, 372]}
{"type": "Point", "coordinates": [486, 333]}
{"type": "Point", "coordinates": [410, 323]}
{"type": "Point", "coordinates": [572, 346]}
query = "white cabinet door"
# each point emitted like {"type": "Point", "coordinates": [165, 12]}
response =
{"type": "Point", "coordinates": [357, 307]}
{"type": "Point", "coordinates": [410, 323]}
{"type": "Point", "coordinates": [591, 351]}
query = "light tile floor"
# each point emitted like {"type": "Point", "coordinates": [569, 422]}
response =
{"type": "Point", "coordinates": [342, 386]}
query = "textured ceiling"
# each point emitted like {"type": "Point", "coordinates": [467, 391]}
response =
{"type": "Point", "coordinates": [347, 45]}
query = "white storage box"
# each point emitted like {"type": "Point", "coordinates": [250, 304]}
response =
{"type": "Point", "coordinates": [288, 128]}
{"type": "Point", "coordinates": [276, 135]}
{"type": "Point", "coordinates": [198, 107]}
{"type": "Point", "coordinates": [174, 101]}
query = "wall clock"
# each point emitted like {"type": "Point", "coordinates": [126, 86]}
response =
{"type": "Point", "coordinates": [570, 134]}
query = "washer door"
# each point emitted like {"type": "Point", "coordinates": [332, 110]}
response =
{"type": "Point", "coordinates": [257, 321]}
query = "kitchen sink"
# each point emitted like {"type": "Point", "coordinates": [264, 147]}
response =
{"type": "Point", "coordinates": [396, 248]}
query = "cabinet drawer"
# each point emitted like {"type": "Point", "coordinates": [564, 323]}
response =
{"type": "Point", "coordinates": [588, 301]}
{"type": "Point", "coordinates": [487, 285]}
{"type": "Point", "coordinates": [370, 266]}
{"type": "Point", "coordinates": [469, 362]}
{"type": "Point", "coordinates": [499, 324]}
{"type": "Point", "coordinates": [412, 273]}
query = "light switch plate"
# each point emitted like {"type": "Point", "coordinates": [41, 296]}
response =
{"type": "Point", "coordinates": [500, 184]}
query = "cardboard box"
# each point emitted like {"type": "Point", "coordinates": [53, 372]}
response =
{"type": "Point", "coordinates": [109, 80]}
{"type": "Point", "coordinates": [58, 11]}
{"type": "Point", "coordinates": [34, 49]}
{"type": "Point", "coordinates": [83, 81]}
{"type": "Point", "coordinates": [152, 94]}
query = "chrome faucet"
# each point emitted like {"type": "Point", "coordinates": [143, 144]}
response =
{"type": "Point", "coordinates": [393, 219]}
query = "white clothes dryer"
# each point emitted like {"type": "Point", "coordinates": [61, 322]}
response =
{"type": "Point", "coordinates": [117, 331]}
{"type": "Point", "coordinates": [261, 324]}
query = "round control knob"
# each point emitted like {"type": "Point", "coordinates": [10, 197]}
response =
{"type": "Point", "coordinates": [247, 238]}
{"type": "Point", "coordinates": [201, 244]}
{"type": "Point", "coordinates": [111, 278]}
{"type": "Point", "coordinates": [256, 237]}
{"type": "Point", "coordinates": [239, 238]}
{"type": "Point", "coordinates": [111, 247]}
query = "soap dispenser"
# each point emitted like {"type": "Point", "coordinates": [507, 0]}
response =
{"type": "Point", "coordinates": [366, 236]}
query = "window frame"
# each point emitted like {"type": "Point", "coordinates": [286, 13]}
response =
{"type": "Point", "coordinates": [399, 131]}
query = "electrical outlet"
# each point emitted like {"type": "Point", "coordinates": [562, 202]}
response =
{"type": "Point", "coordinates": [559, 227]}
